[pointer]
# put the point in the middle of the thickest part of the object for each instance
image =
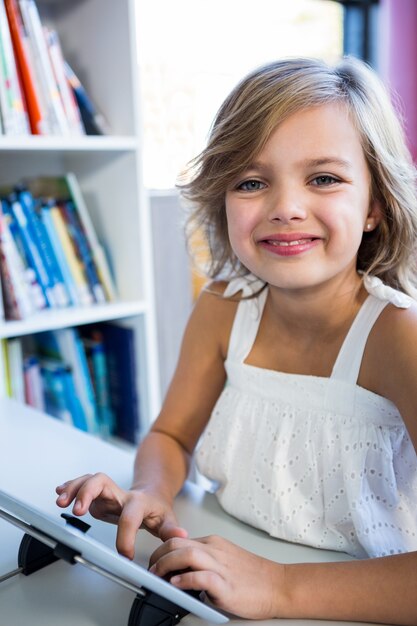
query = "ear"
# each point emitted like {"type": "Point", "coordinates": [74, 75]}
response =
{"type": "Point", "coordinates": [374, 216]}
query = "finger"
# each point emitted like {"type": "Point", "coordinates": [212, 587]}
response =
{"type": "Point", "coordinates": [170, 528]}
{"type": "Point", "coordinates": [203, 580]}
{"type": "Point", "coordinates": [176, 543]}
{"type": "Point", "coordinates": [189, 557]}
{"type": "Point", "coordinates": [129, 523]}
{"type": "Point", "coordinates": [92, 489]}
{"type": "Point", "coordinates": [68, 490]}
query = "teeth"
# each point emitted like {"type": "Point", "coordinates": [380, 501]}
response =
{"type": "Point", "coordinates": [296, 242]}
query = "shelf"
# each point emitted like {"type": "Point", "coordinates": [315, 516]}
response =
{"type": "Point", "coordinates": [53, 319]}
{"type": "Point", "coordinates": [35, 143]}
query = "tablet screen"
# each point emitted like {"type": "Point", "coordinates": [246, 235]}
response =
{"type": "Point", "coordinates": [104, 558]}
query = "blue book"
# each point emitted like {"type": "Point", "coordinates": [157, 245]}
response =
{"type": "Point", "coordinates": [60, 396]}
{"type": "Point", "coordinates": [119, 344]}
{"type": "Point", "coordinates": [36, 291]}
{"type": "Point", "coordinates": [83, 249]}
{"type": "Point", "coordinates": [96, 357]}
{"type": "Point", "coordinates": [32, 249]}
{"type": "Point", "coordinates": [66, 345]}
{"type": "Point", "coordinates": [40, 234]}
{"type": "Point", "coordinates": [48, 222]}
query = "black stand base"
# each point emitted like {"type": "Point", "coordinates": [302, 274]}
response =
{"type": "Point", "coordinates": [34, 555]}
{"type": "Point", "coordinates": [152, 610]}
{"type": "Point", "coordinates": [147, 610]}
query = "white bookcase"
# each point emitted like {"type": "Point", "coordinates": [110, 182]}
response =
{"type": "Point", "coordinates": [98, 40]}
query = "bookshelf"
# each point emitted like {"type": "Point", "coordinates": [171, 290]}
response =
{"type": "Point", "coordinates": [98, 41]}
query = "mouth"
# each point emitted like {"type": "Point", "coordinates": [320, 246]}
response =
{"type": "Point", "coordinates": [290, 244]}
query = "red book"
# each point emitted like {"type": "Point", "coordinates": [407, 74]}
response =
{"type": "Point", "coordinates": [24, 66]}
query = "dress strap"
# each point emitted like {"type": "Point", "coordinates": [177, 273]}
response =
{"type": "Point", "coordinates": [248, 316]}
{"type": "Point", "coordinates": [349, 359]}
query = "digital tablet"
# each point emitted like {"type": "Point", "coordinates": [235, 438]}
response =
{"type": "Point", "coordinates": [99, 557]}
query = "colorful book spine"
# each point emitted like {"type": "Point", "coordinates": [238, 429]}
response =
{"type": "Point", "coordinates": [20, 298]}
{"type": "Point", "coordinates": [96, 357]}
{"type": "Point", "coordinates": [6, 379]}
{"type": "Point", "coordinates": [45, 77]}
{"type": "Point", "coordinates": [15, 351]}
{"type": "Point", "coordinates": [119, 344]}
{"type": "Point", "coordinates": [90, 233]}
{"type": "Point", "coordinates": [93, 121]}
{"type": "Point", "coordinates": [84, 295]}
{"type": "Point", "coordinates": [32, 249]}
{"type": "Point", "coordinates": [33, 383]}
{"type": "Point", "coordinates": [40, 237]}
{"type": "Point", "coordinates": [46, 217]}
{"type": "Point", "coordinates": [69, 102]}
{"type": "Point", "coordinates": [18, 123]}
{"type": "Point", "coordinates": [83, 249]}
{"type": "Point", "coordinates": [72, 352]}
{"type": "Point", "coordinates": [35, 110]}
{"type": "Point", "coordinates": [61, 399]}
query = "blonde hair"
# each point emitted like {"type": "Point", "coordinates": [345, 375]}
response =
{"type": "Point", "coordinates": [242, 126]}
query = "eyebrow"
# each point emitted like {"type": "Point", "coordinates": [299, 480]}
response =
{"type": "Point", "coordinates": [327, 160]}
{"type": "Point", "coordinates": [316, 162]}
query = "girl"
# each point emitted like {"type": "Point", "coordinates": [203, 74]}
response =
{"type": "Point", "coordinates": [299, 371]}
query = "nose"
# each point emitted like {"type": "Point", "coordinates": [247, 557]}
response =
{"type": "Point", "coordinates": [286, 206]}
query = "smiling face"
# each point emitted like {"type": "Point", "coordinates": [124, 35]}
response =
{"type": "Point", "coordinates": [296, 216]}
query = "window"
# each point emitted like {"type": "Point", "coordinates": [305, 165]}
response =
{"type": "Point", "coordinates": [192, 52]}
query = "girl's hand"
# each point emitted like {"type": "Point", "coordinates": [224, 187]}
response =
{"type": "Point", "coordinates": [129, 509]}
{"type": "Point", "coordinates": [235, 580]}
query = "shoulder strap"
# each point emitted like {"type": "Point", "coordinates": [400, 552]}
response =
{"type": "Point", "coordinates": [349, 359]}
{"type": "Point", "coordinates": [245, 326]}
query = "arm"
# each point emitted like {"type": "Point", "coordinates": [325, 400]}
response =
{"type": "Point", "coordinates": [162, 459]}
{"type": "Point", "coordinates": [382, 590]}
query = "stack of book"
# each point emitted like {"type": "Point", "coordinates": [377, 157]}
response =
{"type": "Point", "coordinates": [84, 376]}
{"type": "Point", "coordinates": [39, 93]}
{"type": "Point", "coordinates": [50, 256]}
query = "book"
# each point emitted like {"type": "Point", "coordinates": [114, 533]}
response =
{"type": "Point", "coordinates": [35, 109]}
{"type": "Point", "coordinates": [12, 103]}
{"type": "Point", "coordinates": [33, 383]}
{"type": "Point", "coordinates": [94, 122]}
{"type": "Point", "coordinates": [65, 345]}
{"type": "Point", "coordinates": [45, 78]}
{"type": "Point", "coordinates": [6, 380]}
{"type": "Point", "coordinates": [83, 249]}
{"type": "Point", "coordinates": [32, 247]}
{"type": "Point", "coordinates": [61, 399]}
{"type": "Point", "coordinates": [77, 271]}
{"type": "Point", "coordinates": [46, 217]}
{"type": "Point", "coordinates": [21, 294]}
{"type": "Point", "coordinates": [69, 102]}
{"type": "Point", "coordinates": [119, 345]}
{"type": "Point", "coordinates": [41, 239]}
{"type": "Point", "coordinates": [96, 358]}
{"type": "Point", "coordinates": [15, 351]}
{"type": "Point", "coordinates": [67, 188]}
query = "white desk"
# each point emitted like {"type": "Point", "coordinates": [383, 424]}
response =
{"type": "Point", "coordinates": [36, 454]}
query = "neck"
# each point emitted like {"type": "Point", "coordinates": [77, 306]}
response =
{"type": "Point", "coordinates": [322, 310]}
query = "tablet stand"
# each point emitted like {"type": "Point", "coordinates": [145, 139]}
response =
{"type": "Point", "coordinates": [148, 608]}
{"type": "Point", "coordinates": [153, 610]}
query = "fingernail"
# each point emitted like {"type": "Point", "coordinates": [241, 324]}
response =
{"type": "Point", "coordinates": [77, 506]}
{"type": "Point", "coordinates": [62, 496]}
{"type": "Point", "coordinates": [175, 580]}
{"type": "Point", "coordinates": [152, 569]}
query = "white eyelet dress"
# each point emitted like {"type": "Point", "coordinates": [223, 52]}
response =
{"type": "Point", "coordinates": [312, 460]}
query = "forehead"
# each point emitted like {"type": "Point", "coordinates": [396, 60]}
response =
{"type": "Point", "coordinates": [317, 132]}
